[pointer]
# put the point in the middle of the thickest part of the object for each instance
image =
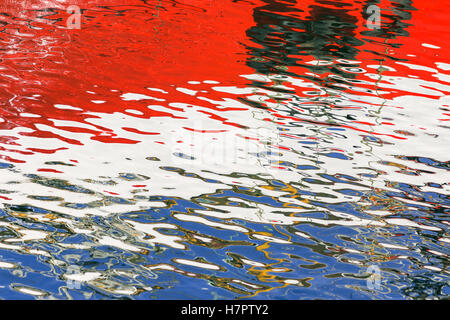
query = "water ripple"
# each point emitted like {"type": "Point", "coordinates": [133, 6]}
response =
{"type": "Point", "coordinates": [268, 150]}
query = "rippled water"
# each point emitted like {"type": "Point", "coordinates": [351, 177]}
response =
{"type": "Point", "coordinates": [262, 149]}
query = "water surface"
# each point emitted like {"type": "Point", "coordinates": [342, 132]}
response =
{"type": "Point", "coordinates": [260, 149]}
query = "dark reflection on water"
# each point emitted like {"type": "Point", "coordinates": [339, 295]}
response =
{"type": "Point", "coordinates": [286, 33]}
{"type": "Point", "coordinates": [345, 195]}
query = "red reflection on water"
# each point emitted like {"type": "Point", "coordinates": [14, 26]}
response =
{"type": "Point", "coordinates": [125, 46]}
{"type": "Point", "coordinates": [129, 46]}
